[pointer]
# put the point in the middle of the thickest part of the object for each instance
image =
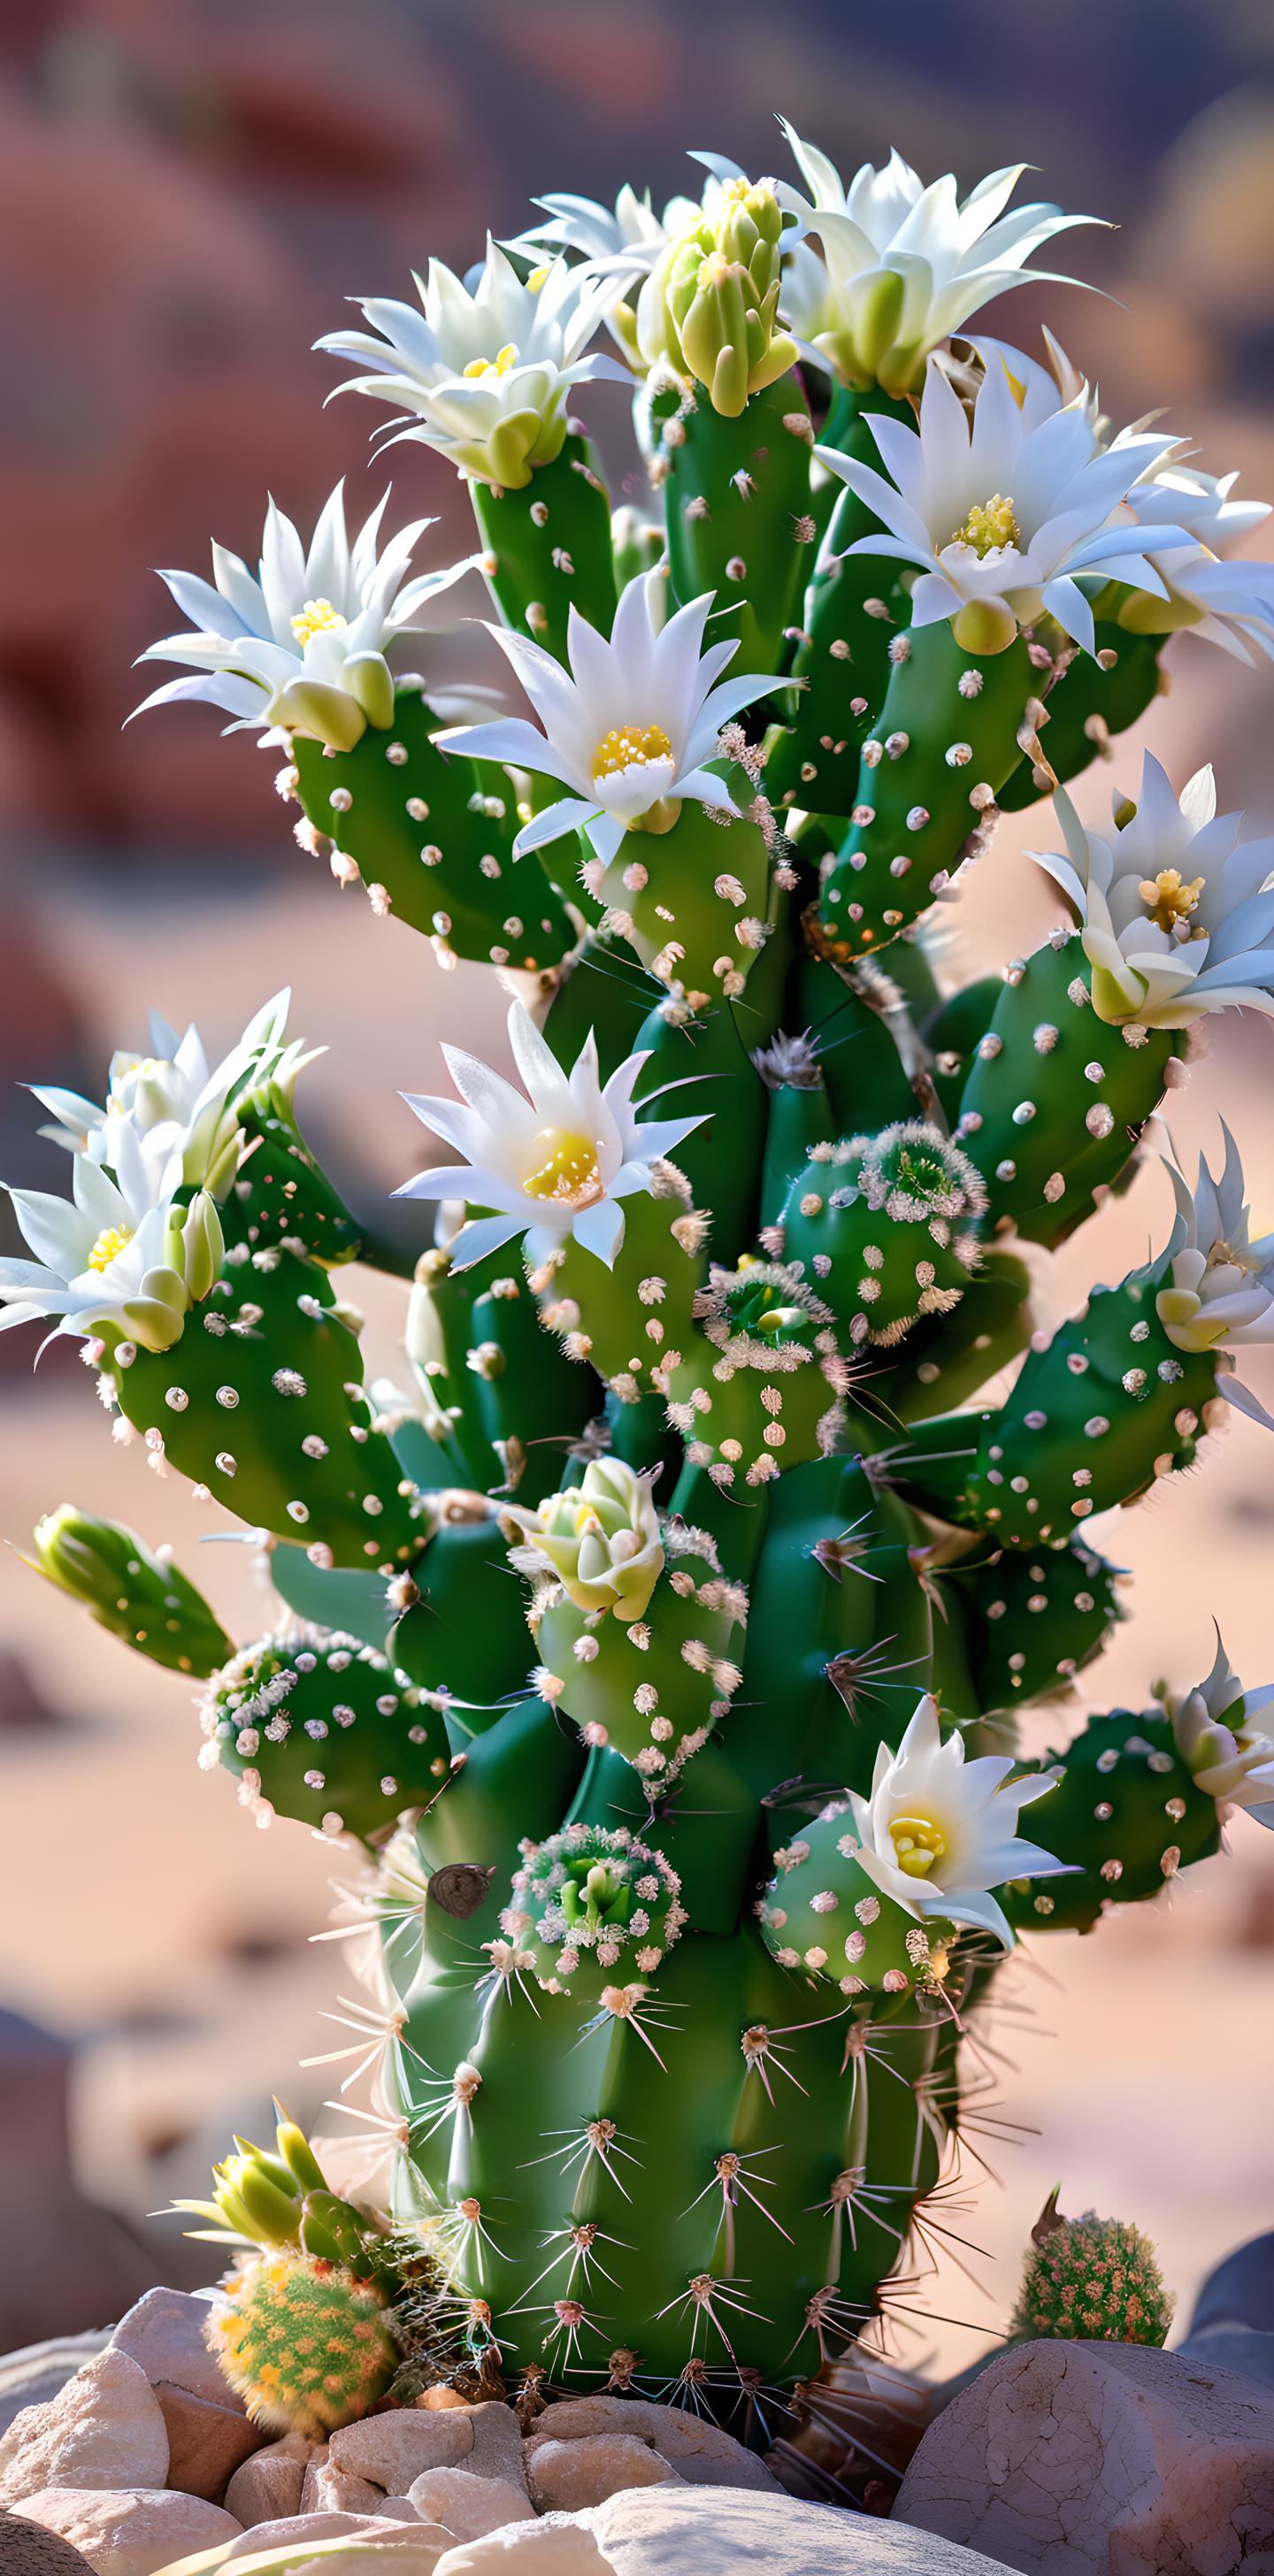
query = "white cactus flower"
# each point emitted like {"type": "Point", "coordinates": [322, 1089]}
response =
{"type": "Point", "coordinates": [628, 729]}
{"type": "Point", "coordinates": [1177, 913]}
{"type": "Point", "coordinates": [182, 1110]}
{"type": "Point", "coordinates": [484, 375]}
{"type": "Point", "coordinates": [938, 1832]}
{"type": "Point", "coordinates": [1231, 1758]}
{"type": "Point", "coordinates": [555, 1164]}
{"type": "Point", "coordinates": [301, 644]}
{"type": "Point", "coordinates": [626, 237]}
{"type": "Point", "coordinates": [907, 265]}
{"type": "Point", "coordinates": [1216, 1283]}
{"type": "Point", "coordinates": [601, 1538]}
{"type": "Point", "coordinates": [119, 1254]}
{"type": "Point", "coordinates": [1230, 604]}
{"type": "Point", "coordinates": [1002, 512]}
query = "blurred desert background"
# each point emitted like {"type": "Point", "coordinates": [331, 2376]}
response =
{"type": "Point", "coordinates": [187, 192]}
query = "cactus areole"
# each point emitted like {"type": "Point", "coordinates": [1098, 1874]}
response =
{"type": "Point", "coordinates": [654, 1663]}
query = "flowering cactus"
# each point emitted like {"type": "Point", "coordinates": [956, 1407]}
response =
{"type": "Point", "coordinates": [658, 1659]}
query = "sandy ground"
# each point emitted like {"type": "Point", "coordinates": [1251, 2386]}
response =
{"type": "Point", "coordinates": [140, 1909]}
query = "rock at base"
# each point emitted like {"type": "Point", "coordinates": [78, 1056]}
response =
{"type": "Point", "coordinates": [701, 2453]}
{"type": "Point", "coordinates": [206, 2443]}
{"type": "Point", "coordinates": [467, 2504]}
{"type": "Point", "coordinates": [26, 2549]}
{"type": "Point", "coordinates": [1101, 2459]}
{"type": "Point", "coordinates": [164, 2334]}
{"type": "Point", "coordinates": [103, 2429]}
{"type": "Point", "coordinates": [674, 2530]}
{"type": "Point", "coordinates": [394, 2448]}
{"type": "Point", "coordinates": [130, 2531]}
{"type": "Point", "coordinates": [268, 2486]}
{"type": "Point", "coordinates": [566, 2477]}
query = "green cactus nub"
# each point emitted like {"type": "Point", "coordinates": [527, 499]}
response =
{"type": "Point", "coordinates": [1091, 2280]}
{"type": "Point", "coordinates": [304, 2342]}
{"type": "Point", "coordinates": [886, 1226]}
{"type": "Point", "coordinates": [135, 1591]}
{"type": "Point", "coordinates": [323, 1728]}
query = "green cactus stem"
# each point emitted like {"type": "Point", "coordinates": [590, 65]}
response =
{"type": "Point", "coordinates": [1055, 1099]}
{"type": "Point", "coordinates": [548, 547]}
{"type": "Point", "coordinates": [499, 1400]}
{"type": "Point", "coordinates": [134, 1591]}
{"type": "Point", "coordinates": [1044, 1618]}
{"type": "Point", "coordinates": [1097, 1414]}
{"type": "Point", "coordinates": [821, 1915]}
{"type": "Point", "coordinates": [851, 611]}
{"type": "Point", "coordinates": [736, 496]}
{"type": "Point", "coordinates": [323, 1728]}
{"type": "Point", "coordinates": [1097, 696]}
{"type": "Point", "coordinates": [693, 899]}
{"type": "Point", "coordinates": [431, 836]}
{"type": "Point", "coordinates": [946, 734]}
{"type": "Point", "coordinates": [1125, 1816]}
{"type": "Point", "coordinates": [261, 1401]}
{"type": "Point", "coordinates": [885, 1226]}
{"type": "Point", "coordinates": [949, 1357]}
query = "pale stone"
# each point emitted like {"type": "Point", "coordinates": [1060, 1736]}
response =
{"type": "Point", "coordinates": [396, 2447]}
{"type": "Point", "coordinates": [104, 2429]}
{"type": "Point", "coordinates": [268, 2486]}
{"type": "Point", "coordinates": [556, 2547]}
{"type": "Point", "coordinates": [467, 2504]}
{"type": "Point", "coordinates": [206, 2443]}
{"type": "Point", "coordinates": [566, 2476]}
{"type": "Point", "coordinates": [130, 2531]}
{"type": "Point", "coordinates": [497, 2443]}
{"type": "Point", "coordinates": [700, 2452]}
{"type": "Point", "coordinates": [164, 2335]}
{"type": "Point", "coordinates": [719, 2531]}
{"type": "Point", "coordinates": [27, 2549]}
{"type": "Point", "coordinates": [1112, 2459]}
{"type": "Point", "coordinates": [331, 2488]}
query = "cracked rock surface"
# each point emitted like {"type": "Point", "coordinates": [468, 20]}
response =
{"type": "Point", "coordinates": [1102, 2459]}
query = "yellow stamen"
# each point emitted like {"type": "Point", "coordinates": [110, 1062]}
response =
{"type": "Point", "coordinates": [1168, 899]}
{"type": "Point", "coordinates": [538, 277]}
{"type": "Point", "coordinates": [989, 526]}
{"type": "Point", "coordinates": [112, 1240]}
{"type": "Point", "coordinates": [318, 617]}
{"type": "Point", "coordinates": [626, 746]}
{"type": "Point", "coordinates": [568, 1170]}
{"type": "Point", "coordinates": [918, 1843]}
{"type": "Point", "coordinates": [498, 366]}
{"type": "Point", "coordinates": [586, 1519]}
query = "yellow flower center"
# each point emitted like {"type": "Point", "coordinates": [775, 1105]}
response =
{"type": "Point", "coordinates": [318, 617]}
{"type": "Point", "coordinates": [567, 1171]}
{"type": "Point", "coordinates": [498, 366]}
{"type": "Point", "coordinates": [918, 1843]}
{"type": "Point", "coordinates": [112, 1240]}
{"type": "Point", "coordinates": [1167, 897]}
{"type": "Point", "coordinates": [586, 1519]}
{"type": "Point", "coordinates": [989, 526]}
{"type": "Point", "coordinates": [626, 746]}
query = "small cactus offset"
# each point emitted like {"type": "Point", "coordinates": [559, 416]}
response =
{"type": "Point", "coordinates": [302, 2341]}
{"type": "Point", "coordinates": [654, 1664]}
{"type": "Point", "coordinates": [1097, 2279]}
